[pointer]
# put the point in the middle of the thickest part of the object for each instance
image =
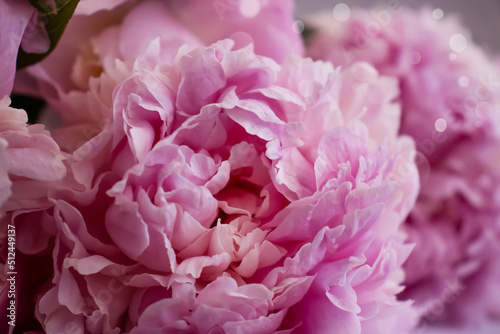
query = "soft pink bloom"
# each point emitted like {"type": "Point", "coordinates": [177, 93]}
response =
{"type": "Point", "coordinates": [234, 194]}
{"type": "Point", "coordinates": [32, 159]}
{"type": "Point", "coordinates": [31, 163]}
{"type": "Point", "coordinates": [89, 7]}
{"type": "Point", "coordinates": [31, 168]}
{"type": "Point", "coordinates": [20, 25]}
{"type": "Point", "coordinates": [218, 187]}
{"type": "Point", "coordinates": [98, 51]}
{"type": "Point", "coordinates": [268, 25]}
{"type": "Point", "coordinates": [449, 101]}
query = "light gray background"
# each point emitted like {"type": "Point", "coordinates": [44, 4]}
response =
{"type": "Point", "coordinates": [481, 17]}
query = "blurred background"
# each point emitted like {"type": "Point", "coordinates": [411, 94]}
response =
{"type": "Point", "coordinates": [481, 17]}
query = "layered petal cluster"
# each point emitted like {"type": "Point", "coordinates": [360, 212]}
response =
{"type": "Point", "coordinates": [103, 39]}
{"type": "Point", "coordinates": [31, 167]}
{"type": "Point", "coordinates": [31, 160]}
{"type": "Point", "coordinates": [210, 183]}
{"type": "Point", "coordinates": [449, 100]}
{"type": "Point", "coordinates": [233, 194]}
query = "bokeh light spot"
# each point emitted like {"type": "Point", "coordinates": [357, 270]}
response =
{"type": "Point", "coordinates": [441, 125]}
{"type": "Point", "coordinates": [484, 110]}
{"type": "Point", "coordinates": [463, 81]}
{"type": "Point", "coordinates": [249, 8]}
{"type": "Point", "coordinates": [341, 12]}
{"type": "Point", "coordinates": [241, 39]}
{"type": "Point", "coordinates": [298, 27]}
{"type": "Point", "coordinates": [437, 14]}
{"type": "Point", "coordinates": [458, 43]}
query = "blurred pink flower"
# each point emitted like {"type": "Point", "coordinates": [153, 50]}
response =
{"type": "Point", "coordinates": [268, 25]}
{"type": "Point", "coordinates": [96, 46]}
{"type": "Point", "coordinates": [236, 194]}
{"type": "Point", "coordinates": [89, 7]}
{"type": "Point", "coordinates": [20, 25]}
{"type": "Point", "coordinates": [449, 98]}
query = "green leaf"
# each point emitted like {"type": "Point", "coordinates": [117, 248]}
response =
{"type": "Point", "coordinates": [55, 23]}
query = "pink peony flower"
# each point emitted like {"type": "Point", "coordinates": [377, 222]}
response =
{"type": "Point", "coordinates": [20, 26]}
{"type": "Point", "coordinates": [231, 193]}
{"type": "Point", "coordinates": [31, 167]}
{"type": "Point", "coordinates": [210, 188]}
{"type": "Point", "coordinates": [100, 53]}
{"type": "Point", "coordinates": [174, 21]}
{"type": "Point", "coordinates": [448, 102]}
{"type": "Point", "coordinates": [32, 160]}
